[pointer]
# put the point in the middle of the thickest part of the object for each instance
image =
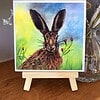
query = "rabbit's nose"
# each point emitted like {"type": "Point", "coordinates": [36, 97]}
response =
{"type": "Point", "coordinates": [52, 48]}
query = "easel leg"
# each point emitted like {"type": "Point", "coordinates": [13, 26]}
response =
{"type": "Point", "coordinates": [29, 75]}
{"type": "Point", "coordinates": [73, 84]}
{"type": "Point", "coordinates": [27, 84]}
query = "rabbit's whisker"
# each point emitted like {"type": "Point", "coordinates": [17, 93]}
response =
{"type": "Point", "coordinates": [40, 40]}
{"type": "Point", "coordinates": [40, 45]}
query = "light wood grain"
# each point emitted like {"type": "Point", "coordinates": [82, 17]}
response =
{"type": "Point", "coordinates": [11, 87]}
{"type": "Point", "coordinates": [50, 74]}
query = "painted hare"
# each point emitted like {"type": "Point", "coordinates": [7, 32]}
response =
{"type": "Point", "coordinates": [48, 57]}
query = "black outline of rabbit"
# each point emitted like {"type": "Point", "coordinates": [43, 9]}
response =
{"type": "Point", "coordinates": [40, 24]}
{"type": "Point", "coordinates": [49, 54]}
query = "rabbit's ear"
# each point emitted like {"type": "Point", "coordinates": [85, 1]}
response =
{"type": "Point", "coordinates": [58, 20]}
{"type": "Point", "coordinates": [39, 21]}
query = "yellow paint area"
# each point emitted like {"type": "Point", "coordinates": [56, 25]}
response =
{"type": "Point", "coordinates": [27, 35]}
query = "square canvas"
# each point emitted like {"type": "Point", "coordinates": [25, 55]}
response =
{"type": "Point", "coordinates": [49, 35]}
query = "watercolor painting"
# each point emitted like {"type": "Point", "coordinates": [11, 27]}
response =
{"type": "Point", "coordinates": [49, 36]}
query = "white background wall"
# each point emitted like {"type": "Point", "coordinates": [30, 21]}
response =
{"type": "Point", "coordinates": [6, 32]}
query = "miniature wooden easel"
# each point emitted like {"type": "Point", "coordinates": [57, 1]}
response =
{"type": "Point", "coordinates": [29, 75]}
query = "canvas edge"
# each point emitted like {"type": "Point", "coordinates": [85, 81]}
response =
{"type": "Point", "coordinates": [45, 1]}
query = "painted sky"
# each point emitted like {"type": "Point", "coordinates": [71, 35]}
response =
{"type": "Point", "coordinates": [30, 37]}
{"type": "Point", "coordinates": [74, 22]}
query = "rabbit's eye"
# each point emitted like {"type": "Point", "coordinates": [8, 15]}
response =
{"type": "Point", "coordinates": [47, 36]}
{"type": "Point", "coordinates": [56, 36]}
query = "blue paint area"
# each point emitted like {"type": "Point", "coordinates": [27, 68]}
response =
{"type": "Point", "coordinates": [74, 22]}
{"type": "Point", "coordinates": [72, 29]}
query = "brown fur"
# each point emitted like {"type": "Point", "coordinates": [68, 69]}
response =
{"type": "Point", "coordinates": [47, 58]}
{"type": "Point", "coordinates": [42, 59]}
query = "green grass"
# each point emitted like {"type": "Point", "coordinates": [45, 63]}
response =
{"type": "Point", "coordinates": [73, 59]}
{"type": "Point", "coordinates": [29, 40]}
